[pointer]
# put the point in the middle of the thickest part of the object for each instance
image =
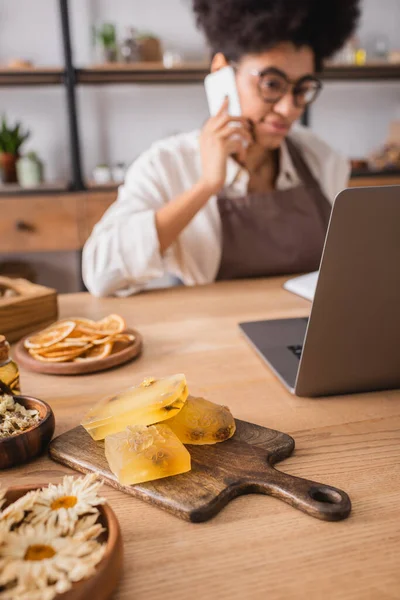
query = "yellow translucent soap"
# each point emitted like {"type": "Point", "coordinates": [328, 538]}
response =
{"type": "Point", "coordinates": [152, 401]}
{"type": "Point", "coordinates": [202, 422]}
{"type": "Point", "coordinates": [141, 453]}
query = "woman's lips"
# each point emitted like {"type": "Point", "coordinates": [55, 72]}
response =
{"type": "Point", "coordinates": [274, 127]}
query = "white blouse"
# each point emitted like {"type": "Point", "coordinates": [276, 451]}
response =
{"type": "Point", "coordinates": [122, 255]}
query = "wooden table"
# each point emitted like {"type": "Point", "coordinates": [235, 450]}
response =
{"type": "Point", "coordinates": [257, 547]}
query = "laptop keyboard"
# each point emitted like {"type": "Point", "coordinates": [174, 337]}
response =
{"type": "Point", "coordinates": [297, 350]}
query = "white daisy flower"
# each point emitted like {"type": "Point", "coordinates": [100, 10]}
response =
{"type": "Point", "coordinates": [20, 592]}
{"type": "Point", "coordinates": [16, 512]}
{"type": "Point", "coordinates": [4, 529]}
{"type": "Point", "coordinates": [63, 504]}
{"type": "Point", "coordinates": [32, 590]}
{"type": "Point", "coordinates": [40, 554]}
{"type": "Point", "coordinates": [87, 528]}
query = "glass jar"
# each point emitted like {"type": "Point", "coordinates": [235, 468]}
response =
{"type": "Point", "coordinates": [9, 371]}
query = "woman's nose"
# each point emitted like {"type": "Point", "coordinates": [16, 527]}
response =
{"type": "Point", "coordinates": [286, 107]}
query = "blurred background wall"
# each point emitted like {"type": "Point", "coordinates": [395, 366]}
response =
{"type": "Point", "coordinates": [118, 122]}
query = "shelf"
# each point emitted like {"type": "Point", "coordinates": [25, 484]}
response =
{"type": "Point", "coordinates": [92, 186]}
{"type": "Point", "coordinates": [395, 173]}
{"type": "Point", "coordinates": [54, 188]}
{"type": "Point", "coordinates": [33, 76]}
{"type": "Point", "coordinates": [195, 73]}
{"type": "Point", "coordinates": [355, 174]}
{"type": "Point", "coordinates": [142, 73]}
{"type": "Point", "coordinates": [51, 187]}
{"type": "Point", "coordinates": [365, 178]}
{"type": "Point", "coordinates": [378, 71]}
{"type": "Point", "coordinates": [115, 73]}
{"type": "Point", "coordinates": [359, 177]}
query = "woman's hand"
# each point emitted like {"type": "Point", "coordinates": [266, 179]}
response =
{"type": "Point", "coordinates": [221, 137]}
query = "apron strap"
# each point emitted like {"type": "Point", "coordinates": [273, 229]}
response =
{"type": "Point", "coordinates": [308, 179]}
{"type": "Point", "coordinates": [300, 164]}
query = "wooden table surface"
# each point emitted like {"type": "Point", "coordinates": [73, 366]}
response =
{"type": "Point", "coordinates": [257, 547]}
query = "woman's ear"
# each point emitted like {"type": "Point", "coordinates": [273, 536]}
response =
{"type": "Point", "coordinates": [218, 62]}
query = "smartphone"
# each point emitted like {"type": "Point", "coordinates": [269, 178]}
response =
{"type": "Point", "coordinates": [218, 85]}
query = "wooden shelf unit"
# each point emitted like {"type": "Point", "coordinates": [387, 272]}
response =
{"type": "Point", "coordinates": [48, 187]}
{"type": "Point", "coordinates": [34, 76]}
{"type": "Point", "coordinates": [374, 179]}
{"type": "Point", "coordinates": [196, 72]}
{"type": "Point", "coordinates": [369, 72]}
{"type": "Point", "coordinates": [141, 73]}
{"type": "Point", "coordinates": [64, 221]}
{"type": "Point", "coordinates": [116, 73]}
{"type": "Point", "coordinates": [52, 222]}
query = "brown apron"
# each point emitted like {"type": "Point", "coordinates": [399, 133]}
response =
{"type": "Point", "coordinates": [274, 233]}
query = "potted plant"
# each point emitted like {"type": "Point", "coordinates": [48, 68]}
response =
{"type": "Point", "coordinates": [11, 140]}
{"type": "Point", "coordinates": [107, 37]}
{"type": "Point", "coordinates": [118, 172]}
{"type": "Point", "coordinates": [102, 174]}
{"type": "Point", "coordinates": [29, 170]}
{"type": "Point", "coordinates": [129, 48]}
{"type": "Point", "coordinates": [149, 47]}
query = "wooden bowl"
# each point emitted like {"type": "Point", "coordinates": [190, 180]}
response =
{"type": "Point", "coordinates": [118, 357]}
{"type": "Point", "coordinates": [24, 446]}
{"type": "Point", "coordinates": [102, 584]}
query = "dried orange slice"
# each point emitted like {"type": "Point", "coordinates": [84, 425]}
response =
{"type": "Point", "coordinates": [60, 356]}
{"type": "Point", "coordinates": [78, 338]}
{"type": "Point", "coordinates": [117, 337]}
{"type": "Point", "coordinates": [108, 326]}
{"type": "Point", "coordinates": [102, 340]}
{"type": "Point", "coordinates": [57, 353]}
{"type": "Point", "coordinates": [82, 321]}
{"type": "Point", "coordinates": [121, 340]}
{"type": "Point", "coordinates": [78, 335]}
{"type": "Point", "coordinates": [96, 353]}
{"type": "Point", "coordinates": [67, 350]}
{"type": "Point", "coordinates": [52, 335]}
{"type": "Point", "coordinates": [46, 359]}
{"type": "Point", "coordinates": [124, 337]}
{"type": "Point", "coordinates": [67, 344]}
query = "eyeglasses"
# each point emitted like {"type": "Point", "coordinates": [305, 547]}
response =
{"type": "Point", "coordinates": [274, 84]}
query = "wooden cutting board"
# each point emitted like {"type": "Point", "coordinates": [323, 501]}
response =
{"type": "Point", "coordinates": [221, 472]}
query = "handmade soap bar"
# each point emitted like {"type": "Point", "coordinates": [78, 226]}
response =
{"type": "Point", "coordinates": [141, 453]}
{"type": "Point", "coordinates": [202, 422]}
{"type": "Point", "coordinates": [152, 401]}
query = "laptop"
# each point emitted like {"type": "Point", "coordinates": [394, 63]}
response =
{"type": "Point", "coordinates": [351, 341]}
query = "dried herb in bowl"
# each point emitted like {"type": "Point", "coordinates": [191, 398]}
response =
{"type": "Point", "coordinates": [15, 418]}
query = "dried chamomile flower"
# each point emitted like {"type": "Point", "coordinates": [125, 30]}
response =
{"type": "Point", "coordinates": [6, 403]}
{"type": "Point", "coordinates": [41, 554]}
{"type": "Point", "coordinates": [22, 592]}
{"type": "Point", "coordinates": [15, 418]}
{"type": "Point", "coordinates": [87, 528]}
{"type": "Point", "coordinates": [16, 512]}
{"type": "Point", "coordinates": [4, 529]}
{"type": "Point", "coordinates": [63, 504]}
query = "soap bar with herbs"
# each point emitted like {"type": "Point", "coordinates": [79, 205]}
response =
{"type": "Point", "coordinates": [141, 453]}
{"type": "Point", "coordinates": [202, 422]}
{"type": "Point", "coordinates": [152, 401]}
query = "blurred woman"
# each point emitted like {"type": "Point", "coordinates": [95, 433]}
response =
{"type": "Point", "coordinates": [231, 202]}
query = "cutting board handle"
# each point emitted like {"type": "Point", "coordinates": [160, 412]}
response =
{"type": "Point", "coordinates": [316, 499]}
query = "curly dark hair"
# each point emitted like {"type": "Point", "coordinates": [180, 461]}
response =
{"type": "Point", "coordinates": [239, 27]}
